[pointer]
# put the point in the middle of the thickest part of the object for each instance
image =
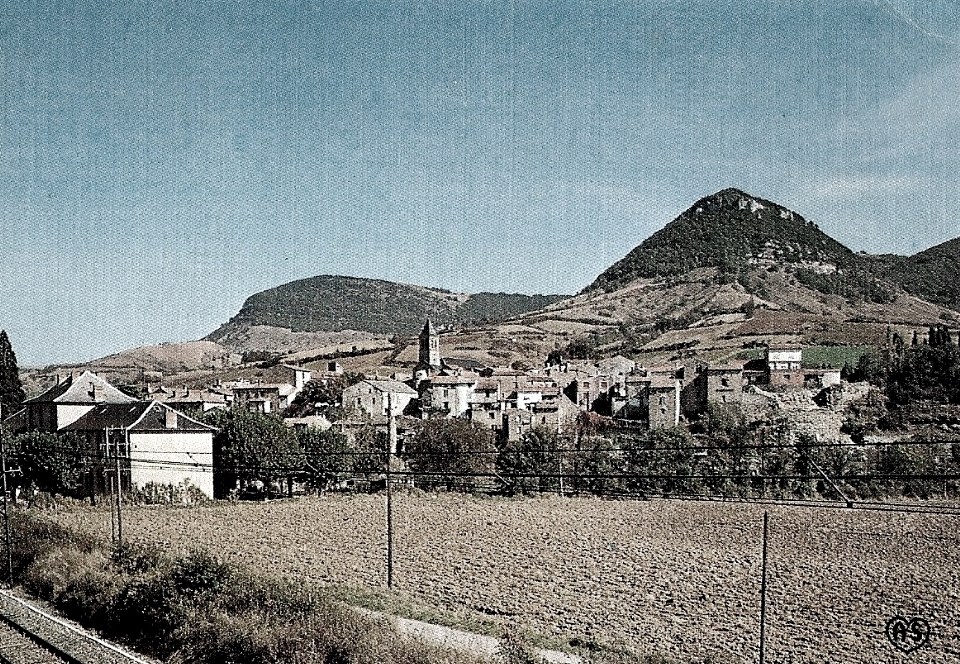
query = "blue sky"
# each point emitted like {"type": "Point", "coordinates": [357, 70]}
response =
{"type": "Point", "coordinates": [162, 160]}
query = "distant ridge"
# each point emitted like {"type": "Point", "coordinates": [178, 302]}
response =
{"type": "Point", "coordinates": [732, 272]}
{"type": "Point", "coordinates": [331, 303]}
{"type": "Point", "coordinates": [933, 274]}
{"type": "Point", "coordinates": [739, 236]}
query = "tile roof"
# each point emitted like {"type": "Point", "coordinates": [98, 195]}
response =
{"type": "Point", "coordinates": [462, 379]}
{"type": "Point", "coordinates": [282, 389]}
{"type": "Point", "coordinates": [726, 366]}
{"type": "Point", "coordinates": [487, 385]}
{"type": "Point", "coordinates": [394, 386]}
{"type": "Point", "coordinates": [110, 415]}
{"type": "Point", "coordinates": [88, 387]}
{"type": "Point", "coordinates": [139, 416]}
{"type": "Point", "coordinates": [189, 396]}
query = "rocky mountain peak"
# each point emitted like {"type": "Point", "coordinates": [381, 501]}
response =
{"type": "Point", "coordinates": [725, 230]}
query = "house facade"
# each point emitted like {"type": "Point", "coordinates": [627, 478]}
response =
{"type": "Point", "coordinates": [68, 400]}
{"type": "Point", "coordinates": [155, 443]}
{"type": "Point", "coordinates": [784, 366]}
{"type": "Point", "coordinates": [372, 396]}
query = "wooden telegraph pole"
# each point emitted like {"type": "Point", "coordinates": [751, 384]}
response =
{"type": "Point", "coordinates": [391, 448]}
{"type": "Point", "coordinates": [6, 514]}
{"type": "Point", "coordinates": [108, 477]}
{"type": "Point", "coordinates": [119, 495]}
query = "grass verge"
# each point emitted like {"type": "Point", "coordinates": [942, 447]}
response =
{"type": "Point", "coordinates": [195, 609]}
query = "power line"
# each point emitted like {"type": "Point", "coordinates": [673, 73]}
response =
{"type": "Point", "coordinates": [580, 450]}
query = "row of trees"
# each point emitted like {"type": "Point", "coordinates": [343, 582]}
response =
{"type": "Point", "coordinates": [920, 371]}
{"type": "Point", "coordinates": [253, 447]}
{"type": "Point", "coordinates": [726, 455]}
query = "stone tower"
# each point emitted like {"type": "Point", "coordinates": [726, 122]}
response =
{"type": "Point", "coordinates": [429, 346]}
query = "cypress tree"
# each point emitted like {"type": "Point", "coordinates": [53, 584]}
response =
{"type": "Point", "coordinates": [11, 389]}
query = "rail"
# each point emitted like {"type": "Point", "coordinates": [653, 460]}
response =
{"type": "Point", "coordinates": [64, 641]}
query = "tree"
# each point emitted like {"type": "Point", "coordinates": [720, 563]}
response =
{"type": "Point", "coordinates": [328, 392]}
{"type": "Point", "coordinates": [595, 466]}
{"type": "Point", "coordinates": [458, 450]}
{"type": "Point", "coordinates": [50, 462]}
{"type": "Point", "coordinates": [661, 461]}
{"type": "Point", "coordinates": [326, 456]}
{"type": "Point", "coordinates": [252, 447]}
{"type": "Point", "coordinates": [532, 463]}
{"type": "Point", "coordinates": [369, 451]}
{"type": "Point", "coordinates": [11, 389]}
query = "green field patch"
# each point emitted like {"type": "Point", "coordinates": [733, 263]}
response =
{"type": "Point", "coordinates": [834, 357]}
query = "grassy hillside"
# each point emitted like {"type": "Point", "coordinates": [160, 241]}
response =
{"type": "Point", "coordinates": [334, 303]}
{"type": "Point", "coordinates": [933, 274]}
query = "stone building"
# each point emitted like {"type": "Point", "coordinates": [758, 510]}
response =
{"type": "Point", "coordinates": [70, 399]}
{"type": "Point", "coordinates": [784, 365]}
{"type": "Point", "coordinates": [663, 402]}
{"type": "Point", "coordinates": [429, 362]}
{"type": "Point", "coordinates": [723, 383]}
{"type": "Point", "coordinates": [371, 397]}
{"type": "Point", "coordinates": [156, 445]}
{"type": "Point", "coordinates": [449, 396]}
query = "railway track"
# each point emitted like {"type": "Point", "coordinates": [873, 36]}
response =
{"type": "Point", "coordinates": [30, 635]}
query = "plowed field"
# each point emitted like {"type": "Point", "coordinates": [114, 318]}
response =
{"type": "Point", "coordinates": [680, 578]}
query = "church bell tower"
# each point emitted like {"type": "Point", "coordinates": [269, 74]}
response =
{"type": "Point", "coordinates": [429, 346]}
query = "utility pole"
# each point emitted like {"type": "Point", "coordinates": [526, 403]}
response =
{"type": "Point", "coordinates": [6, 515]}
{"type": "Point", "coordinates": [560, 465]}
{"type": "Point", "coordinates": [391, 444]}
{"type": "Point", "coordinates": [119, 498]}
{"type": "Point", "coordinates": [108, 475]}
{"type": "Point", "coordinates": [826, 477]}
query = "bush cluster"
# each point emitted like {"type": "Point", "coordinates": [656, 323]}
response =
{"type": "Point", "coordinates": [195, 609]}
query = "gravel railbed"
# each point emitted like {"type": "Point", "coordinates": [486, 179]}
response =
{"type": "Point", "coordinates": [15, 648]}
{"type": "Point", "coordinates": [72, 640]}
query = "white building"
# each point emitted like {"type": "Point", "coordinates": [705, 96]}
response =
{"type": "Point", "coordinates": [156, 444]}
{"type": "Point", "coordinates": [68, 400]}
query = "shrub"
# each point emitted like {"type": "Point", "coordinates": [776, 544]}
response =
{"type": "Point", "coordinates": [197, 609]}
{"type": "Point", "coordinates": [136, 558]}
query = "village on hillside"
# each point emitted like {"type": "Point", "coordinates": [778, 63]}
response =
{"type": "Point", "coordinates": [165, 438]}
